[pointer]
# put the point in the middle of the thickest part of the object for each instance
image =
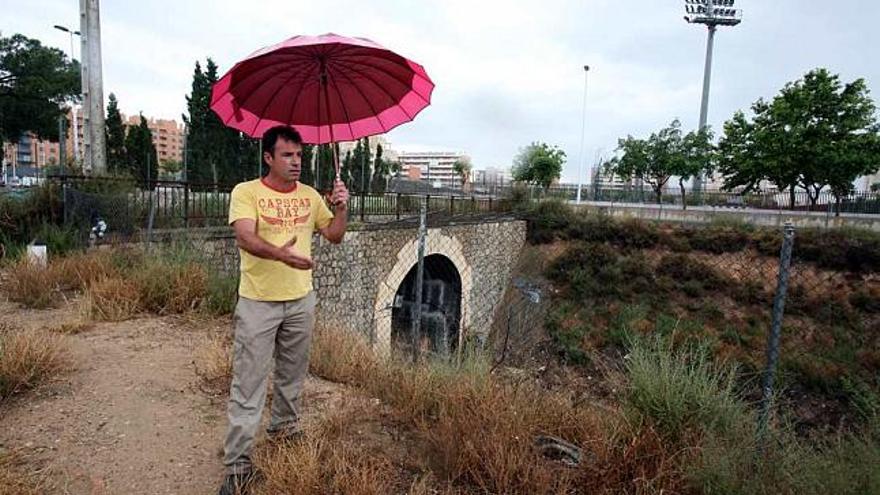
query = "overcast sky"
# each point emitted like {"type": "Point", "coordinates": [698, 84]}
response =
{"type": "Point", "coordinates": [507, 72]}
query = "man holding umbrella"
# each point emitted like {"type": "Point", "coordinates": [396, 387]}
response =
{"type": "Point", "coordinates": [274, 218]}
{"type": "Point", "coordinates": [330, 88]}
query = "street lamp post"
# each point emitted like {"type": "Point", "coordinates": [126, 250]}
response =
{"type": "Point", "coordinates": [711, 13]}
{"type": "Point", "coordinates": [73, 122]}
{"type": "Point", "coordinates": [583, 134]}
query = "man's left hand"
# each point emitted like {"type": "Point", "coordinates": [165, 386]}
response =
{"type": "Point", "coordinates": [339, 197]}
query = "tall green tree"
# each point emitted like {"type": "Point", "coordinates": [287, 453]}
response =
{"type": "Point", "coordinates": [307, 174]}
{"type": "Point", "coordinates": [36, 83]}
{"type": "Point", "coordinates": [381, 171]}
{"type": "Point", "coordinates": [538, 163]}
{"type": "Point", "coordinates": [115, 136]}
{"type": "Point", "coordinates": [141, 160]}
{"type": "Point", "coordinates": [325, 171]}
{"type": "Point", "coordinates": [216, 153]}
{"type": "Point", "coordinates": [360, 162]}
{"type": "Point", "coordinates": [347, 168]}
{"type": "Point", "coordinates": [817, 133]}
{"type": "Point", "coordinates": [664, 155]}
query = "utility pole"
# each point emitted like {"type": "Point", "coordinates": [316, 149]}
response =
{"type": "Point", "coordinates": [583, 134]}
{"type": "Point", "coordinates": [94, 140]}
{"type": "Point", "coordinates": [711, 13]}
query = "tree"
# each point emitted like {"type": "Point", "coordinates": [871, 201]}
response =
{"type": "Point", "coordinates": [347, 168]}
{"type": "Point", "coordinates": [462, 167]}
{"type": "Point", "coordinates": [307, 174]}
{"type": "Point", "coordinates": [141, 157]}
{"type": "Point", "coordinates": [115, 135]}
{"type": "Point", "coordinates": [538, 163]}
{"type": "Point", "coordinates": [381, 171]}
{"type": "Point", "coordinates": [360, 166]}
{"type": "Point", "coordinates": [654, 160]}
{"type": "Point", "coordinates": [325, 171]}
{"type": "Point", "coordinates": [665, 154]}
{"type": "Point", "coordinates": [35, 83]}
{"type": "Point", "coordinates": [171, 168]}
{"type": "Point", "coordinates": [816, 133]}
{"type": "Point", "coordinates": [217, 154]}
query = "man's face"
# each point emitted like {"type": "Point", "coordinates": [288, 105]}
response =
{"type": "Point", "coordinates": [285, 162]}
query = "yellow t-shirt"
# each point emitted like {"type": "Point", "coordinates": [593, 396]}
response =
{"type": "Point", "coordinates": [279, 215]}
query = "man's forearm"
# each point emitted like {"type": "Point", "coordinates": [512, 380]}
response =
{"type": "Point", "coordinates": [336, 230]}
{"type": "Point", "coordinates": [258, 247]}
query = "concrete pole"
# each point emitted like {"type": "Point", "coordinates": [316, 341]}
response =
{"type": "Point", "coordinates": [704, 106]}
{"type": "Point", "coordinates": [96, 89]}
{"type": "Point", "coordinates": [86, 151]}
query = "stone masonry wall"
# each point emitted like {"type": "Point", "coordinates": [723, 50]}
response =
{"type": "Point", "coordinates": [356, 280]}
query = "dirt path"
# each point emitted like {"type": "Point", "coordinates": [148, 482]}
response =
{"type": "Point", "coordinates": [129, 418]}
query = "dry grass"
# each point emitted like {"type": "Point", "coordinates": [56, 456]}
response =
{"type": "Point", "coordinates": [479, 432]}
{"type": "Point", "coordinates": [73, 327]}
{"type": "Point", "coordinates": [79, 270]}
{"type": "Point", "coordinates": [171, 287]}
{"type": "Point", "coordinates": [32, 285]}
{"type": "Point", "coordinates": [28, 358]}
{"type": "Point", "coordinates": [111, 299]}
{"type": "Point", "coordinates": [16, 478]}
{"type": "Point", "coordinates": [213, 363]}
{"type": "Point", "coordinates": [120, 283]}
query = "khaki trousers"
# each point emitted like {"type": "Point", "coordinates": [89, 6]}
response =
{"type": "Point", "coordinates": [264, 330]}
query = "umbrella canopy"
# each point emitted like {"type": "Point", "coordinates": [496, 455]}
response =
{"type": "Point", "coordinates": [329, 87]}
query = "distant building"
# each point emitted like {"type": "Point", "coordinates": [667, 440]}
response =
{"type": "Point", "coordinates": [169, 137]}
{"type": "Point", "coordinates": [29, 157]}
{"type": "Point", "coordinates": [864, 183]}
{"type": "Point", "coordinates": [491, 179]}
{"type": "Point", "coordinates": [388, 154]}
{"type": "Point", "coordinates": [435, 167]}
{"type": "Point", "coordinates": [603, 178]}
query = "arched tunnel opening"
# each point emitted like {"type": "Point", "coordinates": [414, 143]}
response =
{"type": "Point", "coordinates": [440, 305]}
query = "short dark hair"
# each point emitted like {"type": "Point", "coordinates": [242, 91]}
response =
{"type": "Point", "coordinates": [285, 132]}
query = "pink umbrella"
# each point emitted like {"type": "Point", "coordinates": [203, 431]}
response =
{"type": "Point", "coordinates": [329, 87]}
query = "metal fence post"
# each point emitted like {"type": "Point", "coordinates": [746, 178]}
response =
{"type": "Point", "coordinates": [420, 279]}
{"type": "Point", "coordinates": [186, 204]}
{"type": "Point", "coordinates": [775, 330]}
{"type": "Point", "coordinates": [363, 205]}
{"type": "Point", "coordinates": [397, 206]}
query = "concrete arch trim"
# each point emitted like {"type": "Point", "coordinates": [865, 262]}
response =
{"type": "Point", "coordinates": [436, 242]}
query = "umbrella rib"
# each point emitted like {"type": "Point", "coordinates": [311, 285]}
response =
{"type": "Point", "coordinates": [406, 84]}
{"type": "Point", "coordinates": [260, 70]}
{"type": "Point", "coordinates": [363, 61]}
{"type": "Point", "coordinates": [296, 99]}
{"type": "Point", "coordinates": [341, 103]}
{"type": "Point", "coordinates": [382, 88]}
{"type": "Point", "coordinates": [269, 102]}
{"type": "Point", "coordinates": [367, 100]}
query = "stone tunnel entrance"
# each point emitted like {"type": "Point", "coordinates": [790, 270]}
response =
{"type": "Point", "coordinates": [441, 307]}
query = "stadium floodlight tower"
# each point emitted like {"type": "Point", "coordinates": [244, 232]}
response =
{"type": "Point", "coordinates": [712, 13]}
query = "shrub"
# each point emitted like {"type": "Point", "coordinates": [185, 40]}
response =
{"type": "Point", "coordinates": [681, 391]}
{"type": "Point", "coordinates": [686, 269]}
{"type": "Point", "coordinates": [717, 240]}
{"type": "Point", "coordinates": [548, 221]}
{"type": "Point", "coordinates": [28, 358]}
{"type": "Point", "coordinates": [32, 285]}
{"type": "Point", "coordinates": [111, 299]}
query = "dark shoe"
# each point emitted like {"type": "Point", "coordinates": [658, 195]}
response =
{"type": "Point", "coordinates": [290, 432]}
{"type": "Point", "coordinates": [237, 484]}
